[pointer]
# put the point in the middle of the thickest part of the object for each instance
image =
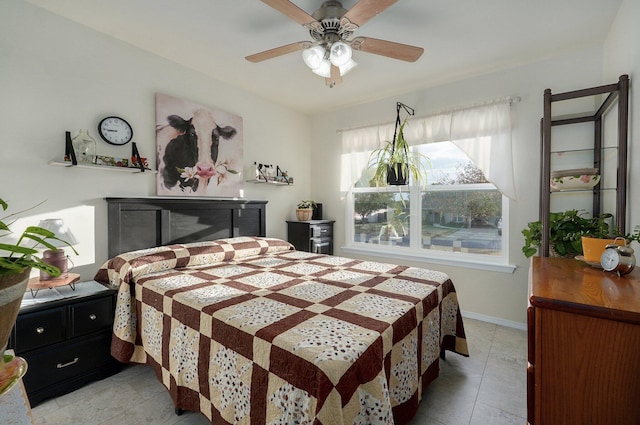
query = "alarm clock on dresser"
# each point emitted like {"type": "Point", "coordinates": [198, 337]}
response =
{"type": "Point", "coordinates": [616, 258]}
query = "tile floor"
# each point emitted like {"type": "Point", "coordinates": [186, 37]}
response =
{"type": "Point", "coordinates": [488, 388]}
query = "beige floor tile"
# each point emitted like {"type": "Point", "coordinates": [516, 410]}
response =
{"type": "Point", "coordinates": [504, 387]}
{"type": "Point", "coordinates": [484, 414]}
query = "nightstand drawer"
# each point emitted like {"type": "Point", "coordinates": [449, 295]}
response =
{"type": "Point", "coordinates": [64, 362]}
{"type": "Point", "coordinates": [91, 316]}
{"type": "Point", "coordinates": [38, 329]}
{"type": "Point", "coordinates": [321, 230]}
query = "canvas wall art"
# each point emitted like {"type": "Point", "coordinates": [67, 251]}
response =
{"type": "Point", "coordinates": [199, 149]}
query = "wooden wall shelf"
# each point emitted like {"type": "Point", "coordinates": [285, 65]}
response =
{"type": "Point", "coordinates": [101, 167]}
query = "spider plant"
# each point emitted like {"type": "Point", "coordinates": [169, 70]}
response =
{"type": "Point", "coordinates": [394, 163]}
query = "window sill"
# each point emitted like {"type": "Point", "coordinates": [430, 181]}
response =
{"type": "Point", "coordinates": [447, 261]}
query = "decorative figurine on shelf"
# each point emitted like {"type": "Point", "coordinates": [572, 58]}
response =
{"type": "Point", "coordinates": [84, 147]}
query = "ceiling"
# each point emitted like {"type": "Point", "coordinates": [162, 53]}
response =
{"type": "Point", "coordinates": [461, 38]}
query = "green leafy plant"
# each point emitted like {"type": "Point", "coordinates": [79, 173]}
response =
{"type": "Point", "coordinates": [566, 230]}
{"type": "Point", "coordinates": [17, 257]}
{"type": "Point", "coordinates": [395, 160]}
{"type": "Point", "coordinates": [303, 205]}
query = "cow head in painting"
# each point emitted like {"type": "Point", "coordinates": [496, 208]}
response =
{"type": "Point", "coordinates": [191, 154]}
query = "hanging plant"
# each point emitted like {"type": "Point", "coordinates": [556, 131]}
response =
{"type": "Point", "coordinates": [394, 163]}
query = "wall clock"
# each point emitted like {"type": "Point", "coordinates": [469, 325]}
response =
{"type": "Point", "coordinates": [115, 130]}
{"type": "Point", "coordinates": [618, 259]}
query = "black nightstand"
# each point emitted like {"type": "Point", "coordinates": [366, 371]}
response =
{"type": "Point", "coordinates": [64, 334]}
{"type": "Point", "coordinates": [311, 236]}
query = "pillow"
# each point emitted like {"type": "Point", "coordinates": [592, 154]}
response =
{"type": "Point", "coordinates": [127, 267]}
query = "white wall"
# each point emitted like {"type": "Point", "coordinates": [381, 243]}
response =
{"type": "Point", "coordinates": [622, 56]}
{"type": "Point", "coordinates": [56, 75]}
{"type": "Point", "coordinates": [492, 294]}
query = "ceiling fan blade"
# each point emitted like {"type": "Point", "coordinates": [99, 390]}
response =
{"type": "Point", "coordinates": [291, 10]}
{"type": "Point", "coordinates": [364, 10]}
{"type": "Point", "coordinates": [335, 77]}
{"type": "Point", "coordinates": [278, 51]}
{"type": "Point", "coordinates": [386, 48]}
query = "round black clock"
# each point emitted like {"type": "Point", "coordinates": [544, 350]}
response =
{"type": "Point", "coordinates": [115, 130]}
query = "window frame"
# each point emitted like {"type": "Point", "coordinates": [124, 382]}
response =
{"type": "Point", "coordinates": [415, 251]}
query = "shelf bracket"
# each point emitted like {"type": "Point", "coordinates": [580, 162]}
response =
{"type": "Point", "coordinates": [280, 173]}
{"type": "Point", "coordinates": [68, 149]}
{"type": "Point", "coordinates": [135, 154]}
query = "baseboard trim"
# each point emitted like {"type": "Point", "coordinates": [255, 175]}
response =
{"type": "Point", "coordinates": [494, 320]}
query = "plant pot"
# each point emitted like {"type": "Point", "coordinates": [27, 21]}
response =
{"type": "Point", "coordinates": [592, 248]}
{"type": "Point", "coordinates": [304, 214]}
{"type": "Point", "coordinates": [395, 176]}
{"type": "Point", "coordinates": [12, 288]}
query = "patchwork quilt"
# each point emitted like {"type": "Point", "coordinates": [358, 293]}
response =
{"type": "Point", "coordinates": [249, 331]}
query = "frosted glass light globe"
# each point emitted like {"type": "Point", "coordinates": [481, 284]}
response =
{"type": "Point", "coordinates": [340, 54]}
{"type": "Point", "coordinates": [324, 69]}
{"type": "Point", "coordinates": [313, 56]}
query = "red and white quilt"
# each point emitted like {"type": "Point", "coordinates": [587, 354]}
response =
{"type": "Point", "coordinates": [249, 331]}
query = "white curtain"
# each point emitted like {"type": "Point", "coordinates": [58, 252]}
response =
{"type": "Point", "coordinates": [483, 132]}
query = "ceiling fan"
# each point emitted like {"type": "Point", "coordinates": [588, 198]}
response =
{"type": "Point", "coordinates": [331, 27]}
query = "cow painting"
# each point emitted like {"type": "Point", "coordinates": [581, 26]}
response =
{"type": "Point", "coordinates": [197, 155]}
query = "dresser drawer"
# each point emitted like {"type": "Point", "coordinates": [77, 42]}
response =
{"type": "Point", "coordinates": [321, 230]}
{"type": "Point", "coordinates": [38, 329]}
{"type": "Point", "coordinates": [63, 362]}
{"type": "Point", "coordinates": [91, 316]}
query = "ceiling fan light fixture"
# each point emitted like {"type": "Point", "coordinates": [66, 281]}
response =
{"type": "Point", "coordinates": [347, 67]}
{"type": "Point", "coordinates": [313, 56]}
{"type": "Point", "coordinates": [324, 69]}
{"type": "Point", "coordinates": [340, 53]}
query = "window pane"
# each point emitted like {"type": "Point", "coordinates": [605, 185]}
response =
{"type": "Point", "coordinates": [462, 221]}
{"type": "Point", "coordinates": [449, 165]}
{"type": "Point", "coordinates": [381, 218]}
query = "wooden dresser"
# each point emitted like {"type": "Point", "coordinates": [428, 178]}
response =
{"type": "Point", "coordinates": [584, 344]}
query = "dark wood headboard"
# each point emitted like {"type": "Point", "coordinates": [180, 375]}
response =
{"type": "Point", "coordinates": [138, 223]}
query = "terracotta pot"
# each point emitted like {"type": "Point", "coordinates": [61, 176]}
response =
{"type": "Point", "coordinates": [304, 214]}
{"type": "Point", "coordinates": [592, 248]}
{"type": "Point", "coordinates": [12, 288]}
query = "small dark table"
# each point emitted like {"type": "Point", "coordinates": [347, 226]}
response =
{"type": "Point", "coordinates": [311, 236]}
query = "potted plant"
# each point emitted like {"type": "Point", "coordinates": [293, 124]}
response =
{"type": "Point", "coordinates": [393, 163]}
{"type": "Point", "coordinates": [304, 212]}
{"type": "Point", "coordinates": [566, 231]}
{"type": "Point", "coordinates": [15, 265]}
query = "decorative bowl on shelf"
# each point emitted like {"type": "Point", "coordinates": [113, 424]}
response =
{"type": "Point", "coordinates": [577, 179]}
{"type": "Point", "coordinates": [574, 172]}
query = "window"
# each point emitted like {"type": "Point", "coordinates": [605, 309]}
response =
{"type": "Point", "coordinates": [459, 216]}
{"type": "Point", "coordinates": [458, 212]}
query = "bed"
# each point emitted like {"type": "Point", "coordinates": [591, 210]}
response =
{"type": "Point", "coordinates": [247, 330]}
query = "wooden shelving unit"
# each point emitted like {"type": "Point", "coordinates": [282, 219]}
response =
{"type": "Point", "coordinates": [613, 94]}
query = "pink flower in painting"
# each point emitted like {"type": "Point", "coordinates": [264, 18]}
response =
{"type": "Point", "coordinates": [585, 178]}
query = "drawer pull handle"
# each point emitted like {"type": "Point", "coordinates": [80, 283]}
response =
{"type": "Point", "coordinates": [61, 365]}
{"type": "Point", "coordinates": [93, 316]}
{"type": "Point", "coordinates": [40, 330]}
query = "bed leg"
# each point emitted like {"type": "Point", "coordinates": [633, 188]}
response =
{"type": "Point", "coordinates": [179, 411]}
{"type": "Point", "coordinates": [442, 354]}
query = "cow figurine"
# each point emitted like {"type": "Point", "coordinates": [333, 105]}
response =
{"type": "Point", "coordinates": [190, 157]}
